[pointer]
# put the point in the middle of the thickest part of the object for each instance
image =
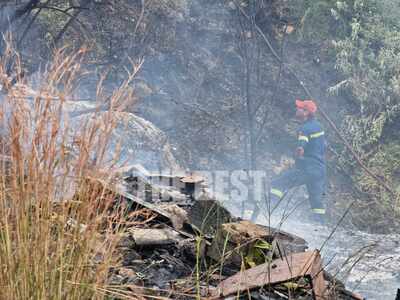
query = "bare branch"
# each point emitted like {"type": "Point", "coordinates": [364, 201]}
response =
{"type": "Point", "coordinates": [65, 11]}
{"type": "Point", "coordinates": [64, 29]}
{"type": "Point", "coordinates": [27, 8]}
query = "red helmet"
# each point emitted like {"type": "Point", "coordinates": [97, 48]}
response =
{"type": "Point", "coordinates": [308, 105]}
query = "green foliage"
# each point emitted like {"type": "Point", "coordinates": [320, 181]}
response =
{"type": "Point", "coordinates": [386, 161]}
{"type": "Point", "coordinates": [368, 58]}
{"type": "Point", "coordinates": [365, 38]}
{"type": "Point", "coordinates": [321, 21]}
{"type": "Point", "coordinates": [317, 15]}
{"type": "Point", "coordinates": [258, 253]}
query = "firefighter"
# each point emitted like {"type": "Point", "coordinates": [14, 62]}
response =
{"type": "Point", "coordinates": [310, 168]}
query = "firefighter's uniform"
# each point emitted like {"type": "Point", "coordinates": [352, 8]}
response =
{"type": "Point", "coordinates": [310, 169]}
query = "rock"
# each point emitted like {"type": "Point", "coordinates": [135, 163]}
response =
{"type": "Point", "coordinates": [134, 170]}
{"type": "Point", "coordinates": [135, 139]}
{"type": "Point", "coordinates": [154, 237]}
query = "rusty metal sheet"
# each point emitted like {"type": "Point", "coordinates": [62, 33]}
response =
{"type": "Point", "coordinates": [280, 270]}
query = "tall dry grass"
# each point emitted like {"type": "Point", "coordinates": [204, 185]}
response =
{"type": "Point", "coordinates": [53, 246]}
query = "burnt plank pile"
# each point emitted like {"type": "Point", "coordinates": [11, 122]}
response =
{"type": "Point", "coordinates": [192, 247]}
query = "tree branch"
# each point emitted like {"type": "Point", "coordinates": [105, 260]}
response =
{"type": "Point", "coordinates": [65, 11]}
{"type": "Point", "coordinates": [29, 26]}
{"type": "Point", "coordinates": [27, 8]}
{"type": "Point", "coordinates": [64, 29]}
{"type": "Point", "coordinates": [322, 112]}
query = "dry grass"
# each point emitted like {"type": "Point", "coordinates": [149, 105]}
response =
{"type": "Point", "coordinates": [52, 247]}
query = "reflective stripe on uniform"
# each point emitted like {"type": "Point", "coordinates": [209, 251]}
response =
{"type": "Point", "coordinates": [317, 134]}
{"type": "Point", "coordinates": [303, 138]}
{"type": "Point", "coordinates": [277, 193]}
{"type": "Point", "coordinates": [320, 211]}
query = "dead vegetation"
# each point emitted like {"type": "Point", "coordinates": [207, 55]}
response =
{"type": "Point", "coordinates": [72, 229]}
{"type": "Point", "coordinates": [50, 243]}
{"type": "Point", "coordinates": [227, 259]}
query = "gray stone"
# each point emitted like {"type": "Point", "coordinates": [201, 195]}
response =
{"type": "Point", "coordinates": [135, 139]}
{"type": "Point", "coordinates": [154, 237]}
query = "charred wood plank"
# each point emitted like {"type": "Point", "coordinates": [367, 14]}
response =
{"type": "Point", "coordinates": [295, 266]}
